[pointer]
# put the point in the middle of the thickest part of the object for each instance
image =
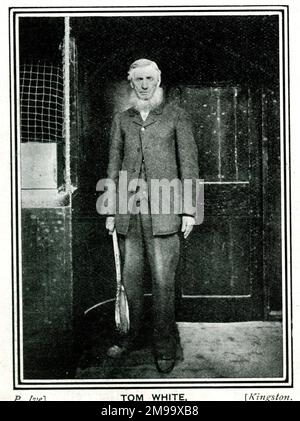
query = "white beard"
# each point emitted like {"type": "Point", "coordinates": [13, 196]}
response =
{"type": "Point", "coordinates": [149, 104]}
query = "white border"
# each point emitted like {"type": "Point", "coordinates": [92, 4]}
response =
{"type": "Point", "coordinates": [192, 383]}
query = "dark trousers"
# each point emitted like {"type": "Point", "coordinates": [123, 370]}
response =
{"type": "Point", "coordinates": [163, 256]}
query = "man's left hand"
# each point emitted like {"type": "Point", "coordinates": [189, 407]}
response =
{"type": "Point", "coordinates": [187, 225]}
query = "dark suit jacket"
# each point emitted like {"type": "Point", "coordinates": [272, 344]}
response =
{"type": "Point", "coordinates": [166, 142]}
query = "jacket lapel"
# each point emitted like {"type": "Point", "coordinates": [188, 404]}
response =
{"type": "Point", "coordinates": [152, 118]}
{"type": "Point", "coordinates": [136, 117]}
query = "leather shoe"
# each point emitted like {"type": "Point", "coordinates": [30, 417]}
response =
{"type": "Point", "coordinates": [164, 365]}
{"type": "Point", "coordinates": [116, 351]}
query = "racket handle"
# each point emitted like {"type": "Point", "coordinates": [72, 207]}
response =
{"type": "Point", "coordinates": [117, 257]}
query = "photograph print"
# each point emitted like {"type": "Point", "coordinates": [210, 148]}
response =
{"type": "Point", "coordinates": [150, 161]}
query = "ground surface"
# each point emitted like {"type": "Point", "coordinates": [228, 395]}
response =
{"type": "Point", "coordinates": [211, 350]}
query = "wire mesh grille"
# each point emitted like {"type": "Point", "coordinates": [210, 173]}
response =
{"type": "Point", "coordinates": [41, 101]}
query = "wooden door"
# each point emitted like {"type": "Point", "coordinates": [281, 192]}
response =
{"type": "Point", "coordinates": [221, 273]}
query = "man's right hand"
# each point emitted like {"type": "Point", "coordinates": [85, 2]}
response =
{"type": "Point", "coordinates": [110, 224]}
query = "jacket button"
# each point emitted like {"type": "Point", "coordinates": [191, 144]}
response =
{"type": "Point", "coordinates": [143, 129]}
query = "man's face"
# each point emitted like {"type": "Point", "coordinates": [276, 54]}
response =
{"type": "Point", "coordinates": [144, 82]}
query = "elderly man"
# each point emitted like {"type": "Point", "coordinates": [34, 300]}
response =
{"type": "Point", "coordinates": [152, 140]}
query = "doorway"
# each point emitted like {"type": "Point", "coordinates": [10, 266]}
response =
{"type": "Point", "coordinates": [227, 268]}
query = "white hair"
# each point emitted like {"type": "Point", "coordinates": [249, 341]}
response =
{"type": "Point", "coordinates": [143, 62]}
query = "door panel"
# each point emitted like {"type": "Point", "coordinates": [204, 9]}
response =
{"type": "Point", "coordinates": [220, 250]}
{"type": "Point", "coordinates": [220, 117]}
{"type": "Point", "coordinates": [222, 260]}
